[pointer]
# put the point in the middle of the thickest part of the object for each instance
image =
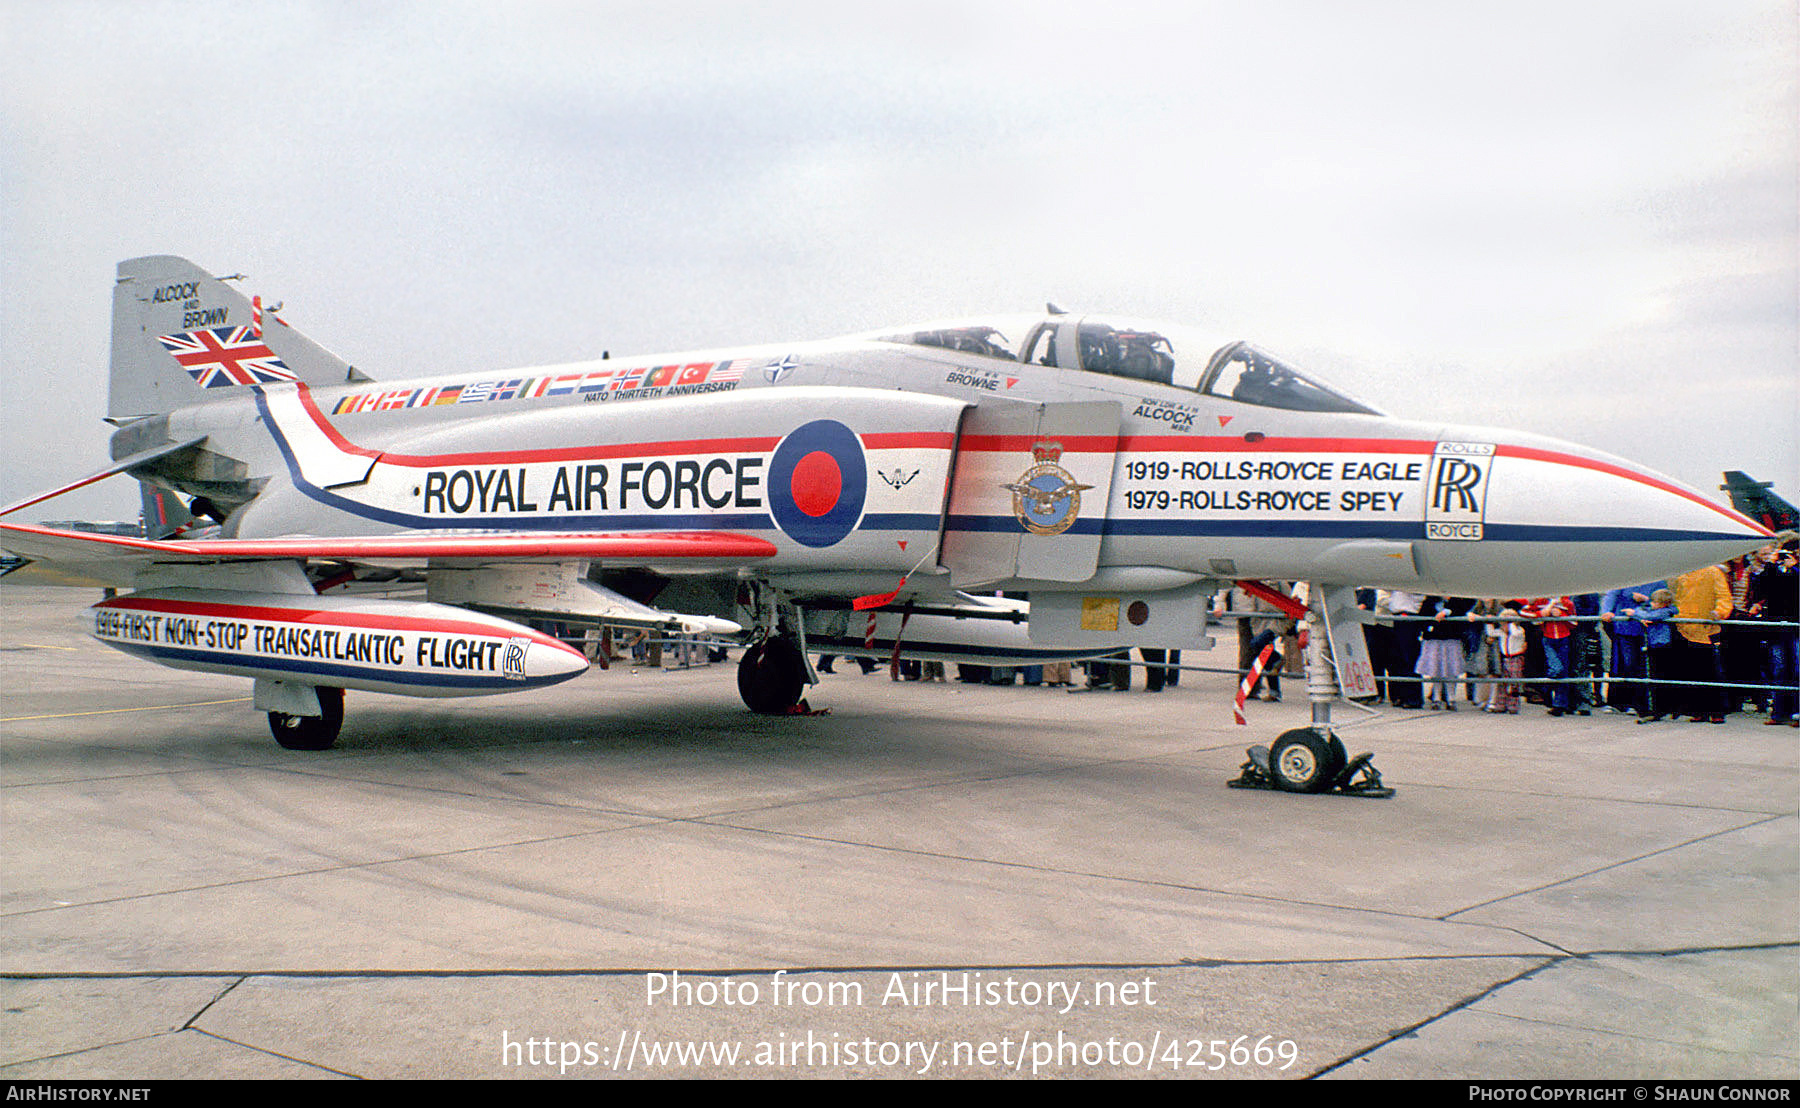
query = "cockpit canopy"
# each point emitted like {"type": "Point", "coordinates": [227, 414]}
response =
{"type": "Point", "coordinates": [1166, 354]}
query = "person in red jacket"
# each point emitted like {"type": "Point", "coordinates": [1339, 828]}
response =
{"type": "Point", "coordinates": [1552, 612]}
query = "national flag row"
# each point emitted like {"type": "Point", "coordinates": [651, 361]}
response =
{"type": "Point", "coordinates": [610, 380]}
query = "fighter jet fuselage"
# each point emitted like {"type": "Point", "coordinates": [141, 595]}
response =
{"type": "Point", "coordinates": [1010, 474]}
{"type": "Point", "coordinates": [1108, 475]}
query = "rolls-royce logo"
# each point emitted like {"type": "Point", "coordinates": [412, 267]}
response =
{"type": "Point", "coordinates": [512, 659]}
{"type": "Point", "coordinates": [1460, 475]}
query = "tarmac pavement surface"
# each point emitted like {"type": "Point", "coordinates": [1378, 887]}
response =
{"type": "Point", "coordinates": [631, 874]}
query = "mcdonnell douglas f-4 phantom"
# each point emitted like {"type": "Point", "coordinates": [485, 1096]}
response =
{"type": "Point", "coordinates": [342, 533]}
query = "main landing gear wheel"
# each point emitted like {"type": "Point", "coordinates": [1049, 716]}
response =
{"type": "Point", "coordinates": [771, 676]}
{"type": "Point", "coordinates": [311, 732]}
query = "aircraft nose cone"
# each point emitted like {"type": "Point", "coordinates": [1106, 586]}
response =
{"type": "Point", "coordinates": [548, 661]}
{"type": "Point", "coordinates": [1580, 520]}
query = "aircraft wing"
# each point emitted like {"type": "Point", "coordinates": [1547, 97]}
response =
{"type": "Point", "coordinates": [113, 559]}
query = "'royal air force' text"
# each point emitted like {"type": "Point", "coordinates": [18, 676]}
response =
{"type": "Point", "coordinates": [595, 487]}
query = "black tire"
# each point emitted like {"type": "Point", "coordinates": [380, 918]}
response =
{"type": "Point", "coordinates": [1303, 761]}
{"type": "Point", "coordinates": [311, 732]}
{"type": "Point", "coordinates": [771, 675]}
{"type": "Point", "coordinates": [1340, 761]}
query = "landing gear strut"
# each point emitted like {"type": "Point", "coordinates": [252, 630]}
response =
{"type": "Point", "coordinates": [774, 668]}
{"type": "Point", "coordinates": [1313, 759]}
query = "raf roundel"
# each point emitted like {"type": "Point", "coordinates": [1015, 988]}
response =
{"type": "Point", "coordinates": [818, 481]}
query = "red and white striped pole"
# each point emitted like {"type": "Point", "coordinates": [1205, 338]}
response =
{"type": "Point", "coordinates": [1249, 682]}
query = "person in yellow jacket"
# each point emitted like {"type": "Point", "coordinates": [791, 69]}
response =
{"type": "Point", "coordinates": [1702, 594]}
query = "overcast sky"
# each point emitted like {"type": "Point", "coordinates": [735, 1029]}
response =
{"type": "Point", "coordinates": [1578, 218]}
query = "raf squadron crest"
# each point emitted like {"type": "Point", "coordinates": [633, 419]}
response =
{"type": "Point", "coordinates": [1046, 497]}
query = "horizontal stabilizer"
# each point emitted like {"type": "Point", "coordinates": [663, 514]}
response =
{"type": "Point", "coordinates": [142, 457]}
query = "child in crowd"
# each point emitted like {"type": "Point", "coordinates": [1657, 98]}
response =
{"type": "Point", "coordinates": [1659, 636]}
{"type": "Point", "coordinates": [1509, 640]}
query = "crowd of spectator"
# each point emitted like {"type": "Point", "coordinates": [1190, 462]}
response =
{"type": "Point", "coordinates": [1701, 646]}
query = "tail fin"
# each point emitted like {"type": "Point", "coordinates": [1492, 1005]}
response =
{"type": "Point", "coordinates": [182, 336]}
{"type": "Point", "coordinates": [1757, 499]}
{"type": "Point", "coordinates": [164, 513]}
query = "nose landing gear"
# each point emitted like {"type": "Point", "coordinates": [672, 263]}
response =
{"type": "Point", "coordinates": [1313, 759]}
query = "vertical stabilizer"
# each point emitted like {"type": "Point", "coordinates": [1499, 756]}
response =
{"type": "Point", "coordinates": [181, 336]}
{"type": "Point", "coordinates": [164, 513]}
